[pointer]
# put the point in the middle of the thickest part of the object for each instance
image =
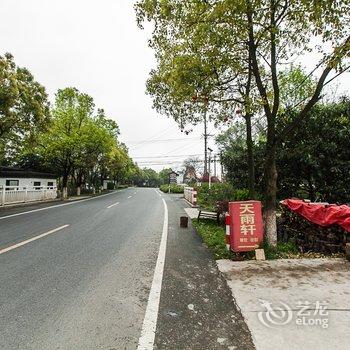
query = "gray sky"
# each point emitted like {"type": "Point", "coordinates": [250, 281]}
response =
{"type": "Point", "coordinates": [97, 47]}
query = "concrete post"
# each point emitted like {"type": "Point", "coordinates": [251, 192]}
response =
{"type": "Point", "coordinates": [3, 196]}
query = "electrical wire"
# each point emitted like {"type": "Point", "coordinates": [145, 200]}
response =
{"type": "Point", "coordinates": [170, 140]}
{"type": "Point", "coordinates": [152, 137]}
{"type": "Point", "coordinates": [166, 156]}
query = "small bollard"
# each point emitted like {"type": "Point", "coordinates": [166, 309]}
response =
{"type": "Point", "coordinates": [184, 221]}
{"type": "Point", "coordinates": [259, 254]}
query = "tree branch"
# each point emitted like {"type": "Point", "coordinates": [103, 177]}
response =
{"type": "Point", "coordinates": [338, 53]}
{"type": "Point", "coordinates": [255, 65]}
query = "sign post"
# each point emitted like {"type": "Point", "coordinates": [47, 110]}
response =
{"type": "Point", "coordinates": [246, 225]}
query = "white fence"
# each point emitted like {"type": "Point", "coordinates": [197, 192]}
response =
{"type": "Point", "coordinates": [190, 195]}
{"type": "Point", "coordinates": [12, 195]}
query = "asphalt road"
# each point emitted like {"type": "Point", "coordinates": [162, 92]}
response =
{"type": "Point", "coordinates": [86, 285]}
{"type": "Point", "coordinates": [83, 275]}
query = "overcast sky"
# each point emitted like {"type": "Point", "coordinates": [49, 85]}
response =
{"type": "Point", "coordinates": [97, 47]}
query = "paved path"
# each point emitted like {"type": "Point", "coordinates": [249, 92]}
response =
{"type": "Point", "coordinates": [196, 306]}
{"type": "Point", "coordinates": [78, 275]}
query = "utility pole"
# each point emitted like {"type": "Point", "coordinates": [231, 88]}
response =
{"type": "Point", "coordinates": [205, 143]}
{"type": "Point", "coordinates": [210, 150]}
{"type": "Point", "coordinates": [222, 167]}
{"type": "Point", "coordinates": [215, 165]}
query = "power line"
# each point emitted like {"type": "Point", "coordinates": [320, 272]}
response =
{"type": "Point", "coordinates": [175, 162]}
{"type": "Point", "coordinates": [164, 131]}
{"type": "Point", "coordinates": [181, 147]}
{"type": "Point", "coordinates": [176, 156]}
{"type": "Point", "coordinates": [168, 140]}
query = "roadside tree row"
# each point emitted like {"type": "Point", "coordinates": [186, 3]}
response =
{"type": "Point", "coordinates": [70, 139]}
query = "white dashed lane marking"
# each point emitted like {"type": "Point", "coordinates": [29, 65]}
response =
{"type": "Point", "coordinates": [5, 250]}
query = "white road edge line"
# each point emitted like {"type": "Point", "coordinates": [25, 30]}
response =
{"type": "Point", "coordinates": [56, 206]}
{"type": "Point", "coordinates": [112, 205]}
{"type": "Point", "coordinates": [159, 194]}
{"type": "Point", "coordinates": [5, 250]}
{"type": "Point", "coordinates": [146, 340]}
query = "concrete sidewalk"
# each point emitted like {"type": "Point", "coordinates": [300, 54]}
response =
{"type": "Point", "coordinates": [293, 304]}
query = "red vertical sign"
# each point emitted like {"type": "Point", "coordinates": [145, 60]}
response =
{"type": "Point", "coordinates": [246, 225]}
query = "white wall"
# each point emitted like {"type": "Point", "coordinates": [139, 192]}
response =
{"type": "Point", "coordinates": [27, 182]}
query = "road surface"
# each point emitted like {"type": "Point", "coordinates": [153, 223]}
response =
{"type": "Point", "coordinates": [89, 275]}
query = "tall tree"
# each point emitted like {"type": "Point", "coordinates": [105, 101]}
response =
{"type": "Point", "coordinates": [164, 175]}
{"type": "Point", "coordinates": [24, 106]}
{"type": "Point", "coordinates": [62, 143]}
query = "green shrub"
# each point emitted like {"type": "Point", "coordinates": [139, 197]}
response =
{"type": "Point", "coordinates": [174, 188]}
{"type": "Point", "coordinates": [207, 198]}
{"type": "Point", "coordinates": [110, 185]}
{"type": "Point", "coordinates": [281, 251]}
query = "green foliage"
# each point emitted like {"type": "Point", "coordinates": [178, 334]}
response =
{"type": "Point", "coordinates": [213, 236]}
{"type": "Point", "coordinates": [233, 152]}
{"type": "Point", "coordinates": [207, 198]}
{"type": "Point", "coordinates": [295, 87]}
{"type": "Point", "coordinates": [71, 140]}
{"type": "Point", "coordinates": [174, 188]}
{"type": "Point", "coordinates": [24, 108]}
{"type": "Point", "coordinates": [81, 144]}
{"type": "Point", "coordinates": [313, 163]}
{"type": "Point", "coordinates": [73, 134]}
{"type": "Point", "coordinates": [110, 186]}
{"type": "Point", "coordinates": [145, 177]}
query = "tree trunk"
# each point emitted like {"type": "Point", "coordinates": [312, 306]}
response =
{"type": "Point", "coordinates": [64, 186]}
{"type": "Point", "coordinates": [79, 183]}
{"type": "Point", "coordinates": [250, 157]}
{"type": "Point", "coordinates": [270, 195]}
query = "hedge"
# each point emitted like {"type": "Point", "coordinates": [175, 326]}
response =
{"type": "Point", "coordinates": [174, 188]}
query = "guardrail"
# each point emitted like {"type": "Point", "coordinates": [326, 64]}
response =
{"type": "Point", "coordinates": [190, 194]}
{"type": "Point", "coordinates": [13, 195]}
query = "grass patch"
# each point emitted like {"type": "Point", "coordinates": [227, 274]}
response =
{"type": "Point", "coordinates": [213, 236]}
{"type": "Point", "coordinates": [290, 250]}
{"type": "Point", "coordinates": [282, 250]}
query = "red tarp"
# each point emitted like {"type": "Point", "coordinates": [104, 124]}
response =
{"type": "Point", "coordinates": [321, 214]}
